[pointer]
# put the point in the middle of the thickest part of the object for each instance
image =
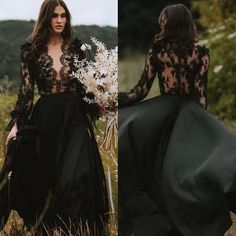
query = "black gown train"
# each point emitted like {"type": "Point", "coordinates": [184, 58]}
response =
{"type": "Point", "coordinates": [177, 163]}
{"type": "Point", "coordinates": [57, 173]}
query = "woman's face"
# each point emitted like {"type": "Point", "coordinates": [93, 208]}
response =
{"type": "Point", "coordinates": [58, 20]}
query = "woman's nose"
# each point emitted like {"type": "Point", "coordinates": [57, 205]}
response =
{"type": "Point", "coordinates": [59, 19]}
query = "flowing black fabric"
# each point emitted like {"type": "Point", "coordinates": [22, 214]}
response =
{"type": "Point", "coordinates": [177, 169]}
{"type": "Point", "coordinates": [58, 173]}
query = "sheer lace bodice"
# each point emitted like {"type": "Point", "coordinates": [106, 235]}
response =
{"type": "Point", "coordinates": [42, 72]}
{"type": "Point", "coordinates": [47, 79]}
{"type": "Point", "coordinates": [185, 74]}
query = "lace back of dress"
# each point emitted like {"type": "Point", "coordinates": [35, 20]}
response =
{"type": "Point", "coordinates": [178, 73]}
{"type": "Point", "coordinates": [184, 73]}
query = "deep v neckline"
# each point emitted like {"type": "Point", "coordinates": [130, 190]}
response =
{"type": "Point", "coordinates": [61, 59]}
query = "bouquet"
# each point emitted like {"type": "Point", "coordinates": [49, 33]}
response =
{"type": "Point", "coordinates": [100, 77]}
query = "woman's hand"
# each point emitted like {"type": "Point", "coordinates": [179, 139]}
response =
{"type": "Point", "coordinates": [12, 134]}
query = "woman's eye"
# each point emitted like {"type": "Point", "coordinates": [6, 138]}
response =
{"type": "Point", "coordinates": [56, 15]}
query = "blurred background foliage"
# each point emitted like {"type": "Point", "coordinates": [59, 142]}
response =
{"type": "Point", "coordinates": [13, 34]}
{"type": "Point", "coordinates": [216, 24]}
{"type": "Point", "coordinates": [219, 18]}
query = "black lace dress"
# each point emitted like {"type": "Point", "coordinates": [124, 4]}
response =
{"type": "Point", "coordinates": [58, 175]}
{"type": "Point", "coordinates": [177, 163]}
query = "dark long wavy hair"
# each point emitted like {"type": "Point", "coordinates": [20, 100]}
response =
{"type": "Point", "coordinates": [177, 27]}
{"type": "Point", "coordinates": [41, 31]}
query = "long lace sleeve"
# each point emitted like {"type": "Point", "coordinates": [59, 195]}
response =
{"type": "Point", "coordinates": [24, 103]}
{"type": "Point", "coordinates": [140, 91]}
{"type": "Point", "coordinates": [200, 86]}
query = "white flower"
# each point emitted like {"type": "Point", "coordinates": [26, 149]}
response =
{"type": "Point", "coordinates": [91, 73]}
{"type": "Point", "coordinates": [88, 100]}
{"type": "Point", "coordinates": [100, 77]}
{"type": "Point", "coordinates": [100, 82]}
{"type": "Point", "coordinates": [113, 88]}
{"type": "Point", "coordinates": [216, 29]}
{"type": "Point", "coordinates": [218, 36]}
{"type": "Point", "coordinates": [203, 42]}
{"type": "Point", "coordinates": [85, 47]}
{"type": "Point", "coordinates": [232, 35]}
{"type": "Point", "coordinates": [106, 95]}
{"type": "Point", "coordinates": [217, 69]}
{"type": "Point", "coordinates": [103, 71]}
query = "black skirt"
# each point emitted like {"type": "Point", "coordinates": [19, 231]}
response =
{"type": "Point", "coordinates": [177, 170]}
{"type": "Point", "coordinates": [57, 175]}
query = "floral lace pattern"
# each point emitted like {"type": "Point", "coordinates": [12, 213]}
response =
{"type": "Point", "coordinates": [185, 75]}
{"type": "Point", "coordinates": [41, 72]}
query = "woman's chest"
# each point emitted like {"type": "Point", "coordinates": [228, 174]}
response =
{"type": "Point", "coordinates": [54, 71]}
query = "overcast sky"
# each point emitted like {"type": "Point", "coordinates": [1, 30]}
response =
{"type": "Point", "coordinates": [87, 12]}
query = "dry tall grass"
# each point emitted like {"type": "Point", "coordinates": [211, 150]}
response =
{"type": "Point", "coordinates": [15, 225]}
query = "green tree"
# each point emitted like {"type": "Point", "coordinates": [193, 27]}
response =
{"type": "Point", "coordinates": [13, 33]}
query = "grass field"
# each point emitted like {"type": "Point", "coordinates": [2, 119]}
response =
{"type": "Point", "coordinates": [15, 224]}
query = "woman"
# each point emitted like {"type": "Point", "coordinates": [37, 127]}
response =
{"type": "Point", "coordinates": [58, 175]}
{"type": "Point", "coordinates": [181, 161]}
